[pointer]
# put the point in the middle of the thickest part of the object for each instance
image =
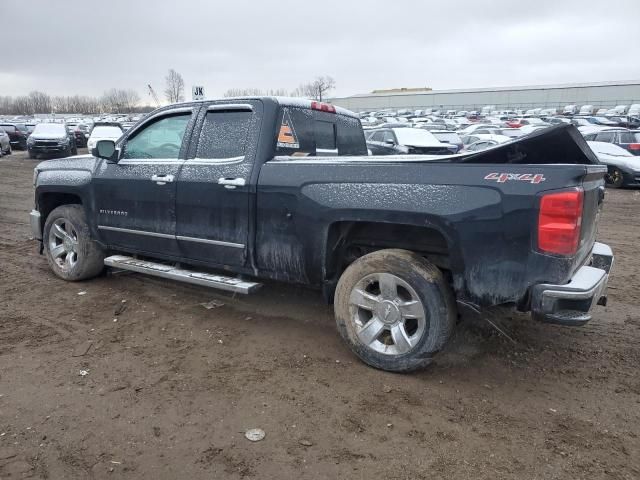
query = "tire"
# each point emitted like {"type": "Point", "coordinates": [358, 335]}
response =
{"type": "Point", "coordinates": [614, 178]}
{"type": "Point", "coordinates": [411, 294]}
{"type": "Point", "coordinates": [70, 251]}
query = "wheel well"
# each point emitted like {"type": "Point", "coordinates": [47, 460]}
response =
{"type": "Point", "coordinates": [51, 200]}
{"type": "Point", "coordinates": [347, 241]}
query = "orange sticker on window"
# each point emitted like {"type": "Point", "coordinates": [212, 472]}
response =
{"type": "Point", "coordinates": [287, 136]}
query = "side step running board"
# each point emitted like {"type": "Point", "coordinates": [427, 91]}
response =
{"type": "Point", "coordinates": [181, 275]}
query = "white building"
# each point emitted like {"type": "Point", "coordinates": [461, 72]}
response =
{"type": "Point", "coordinates": [598, 94]}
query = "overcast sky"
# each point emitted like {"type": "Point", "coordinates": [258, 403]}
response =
{"type": "Point", "coordinates": [88, 46]}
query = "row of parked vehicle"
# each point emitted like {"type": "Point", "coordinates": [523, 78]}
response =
{"type": "Point", "coordinates": [406, 133]}
{"type": "Point", "coordinates": [58, 138]}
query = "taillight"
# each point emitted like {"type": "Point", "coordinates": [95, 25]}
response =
{"type": "Point", "coordinates": [634, 146]}
{"type": "Point", "coordinates": [323, 107]}
{"type": "Point", "coordinates": [559, 222]}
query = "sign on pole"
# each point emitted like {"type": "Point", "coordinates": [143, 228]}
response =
{"type": "Point", "coordinates": [197, 93]}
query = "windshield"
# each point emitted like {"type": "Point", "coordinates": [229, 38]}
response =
{"type": "Point", "coordinates": [106, 131]}
{"type": "Point", "coordinates": [50, 129]}
{"type": "Point", "coordinates": [415, 137]}
{"type": "Point", "coordinates": [447, 137]}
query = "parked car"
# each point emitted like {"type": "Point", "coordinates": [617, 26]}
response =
{"type": "Point", "coordinates": [5, 143]}
{"type": "Point", "coordinates": [626, 139]}
{"type": "Point", "coordinates": [51, 139]}
{"type": "Point", "coordinates": [396, 243]}
{"type": "Point", "coordinates": [471, 129]}
{"type": "Point", "coordinates": [508, 132]}
{"type": "Point", "coordinates": [80, 132]}
{"type": "Point", "coordinates": [623, 167]}
{"type": "Point", "coordinates": [103, 132]}
{"type": "Point", "coordinates": [493, 138]}
{"type": "Point", "coordinates": [447, 136]}
{"type": "Point", "coordinates": [407, 140]}
{"type": "Point", "coordinates": [18, 134]}
{"type": "Point", "coordinates": [587, 110]}
{"type": "Point", "coordinates": [527, 129]}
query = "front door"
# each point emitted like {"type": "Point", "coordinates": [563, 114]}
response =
{"type": "Point", "coordinates": [214, 187]}
{"type": "Point", "coordinates": [136, 197]}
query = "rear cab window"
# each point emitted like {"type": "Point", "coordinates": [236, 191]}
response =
{"type": "Point", "coordinates": [305, 132]}
{"type": "Point", "coordinates": [225, 134]}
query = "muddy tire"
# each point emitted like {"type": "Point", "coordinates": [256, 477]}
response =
{"type": "Point", "coordinates": [394, 309]}
{"type": "Point", "coordinates": [70, 251]}
{"type": "Point", "coordinates": [614, 178]}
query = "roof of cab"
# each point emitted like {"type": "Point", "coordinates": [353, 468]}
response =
{"type": "Point", "coordinates": [282, 101]}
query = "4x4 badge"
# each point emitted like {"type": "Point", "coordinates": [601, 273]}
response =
{"type": "Point", "coordinates": [521, 177]}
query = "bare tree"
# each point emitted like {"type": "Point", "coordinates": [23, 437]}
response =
{"type": "Point", "coordinates": [315, 90]}
{"type": "Point", "coordinates": [40, 102]}
{"type": "Point", "coordinates": [22, 106]}
{"type": "Point", "coordinates": [243, 92]}
{"type": "Point", "coordinates": [256, 92]}
{"type": "Point", "coordinates": [119, 101]}
{"type": "Point", "coordinates": [174, 90]}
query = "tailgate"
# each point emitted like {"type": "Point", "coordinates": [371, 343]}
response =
{"type": "Point", "coordinates": [594, 191]}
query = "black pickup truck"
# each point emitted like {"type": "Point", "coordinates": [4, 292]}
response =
{"type": "Point", "coordinates": [223, 193]}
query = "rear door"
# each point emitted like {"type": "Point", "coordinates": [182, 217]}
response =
{"type": "Point", "coordinates": [213, 189]}
{"type": "Point", "coordinates": [136, 197]}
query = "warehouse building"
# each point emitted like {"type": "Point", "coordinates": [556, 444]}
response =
{"type": "Point", "coordinates": [598, 94]}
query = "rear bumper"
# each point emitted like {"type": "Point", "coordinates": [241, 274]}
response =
{"type": "Point", "coordinates": [571, 304]}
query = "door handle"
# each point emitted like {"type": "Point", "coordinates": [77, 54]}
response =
{"type": "Point", "coordinates": [162, 179]}
{"type": "Point", "coordinates": [232, 183]}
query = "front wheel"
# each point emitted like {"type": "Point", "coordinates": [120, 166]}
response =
{"type": "Point", "coordinates": [70, 251]}
{"type": "Point", "coordinates": [394, 309]}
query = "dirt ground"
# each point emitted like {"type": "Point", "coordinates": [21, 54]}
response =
{"type": "Point", "coordinates": [172, 387]}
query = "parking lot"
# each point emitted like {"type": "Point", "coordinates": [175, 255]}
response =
{"type": "Point", "coordinates": [127, 376]}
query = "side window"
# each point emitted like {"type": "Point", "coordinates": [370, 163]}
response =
{"type": "Point", "coordinates": [325, 135]}
{"type": "Point", "coordinates": [605, 137]}
{"type": "Point", "coordinates": [350, 136]}
{"type": "Point", "coordinates": [389, 136]}
{"type": "Point", "coordinates": [224, 134]}
{"type": "Point", "coordinates": [160, 139]}
{"type": "Point", "coordinates": [378, 137]}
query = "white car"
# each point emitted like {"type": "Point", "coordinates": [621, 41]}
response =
{"type": "Point", "coordinates": [482, 141]}
{"type": "Point", "coordinates": [527, 129]}
{"type": "Point", "coordinates": [471, 129]}
{"type": "Point", "coordinates": [624, 167]}
{"type": "Point", "coordinates": [103, 132]}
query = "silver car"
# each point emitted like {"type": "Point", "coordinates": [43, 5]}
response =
{"type": "Point", "coordinates": [5, 144]}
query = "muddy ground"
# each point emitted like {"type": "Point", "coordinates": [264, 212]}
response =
{"type": "Point", "coordinates": [171, 386]}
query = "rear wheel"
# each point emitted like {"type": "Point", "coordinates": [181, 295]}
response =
{"type": "Point", "coordinates": [394, 309]}
{"type": "Point", "coordinates": [614, 178]}
{"type": "Point", "coordinates": [70, 251]}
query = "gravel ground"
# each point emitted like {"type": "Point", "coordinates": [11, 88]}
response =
{"type": "Point", "coordinates": [171, 387]}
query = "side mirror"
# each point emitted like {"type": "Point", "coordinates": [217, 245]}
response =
{"type": "Point", "coordinates": [105, 149]}
{"type": "Point", "coordinates": [389, 142]}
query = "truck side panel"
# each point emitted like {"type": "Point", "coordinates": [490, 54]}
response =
{"type": "Point", "coordinates": [489, 226]}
